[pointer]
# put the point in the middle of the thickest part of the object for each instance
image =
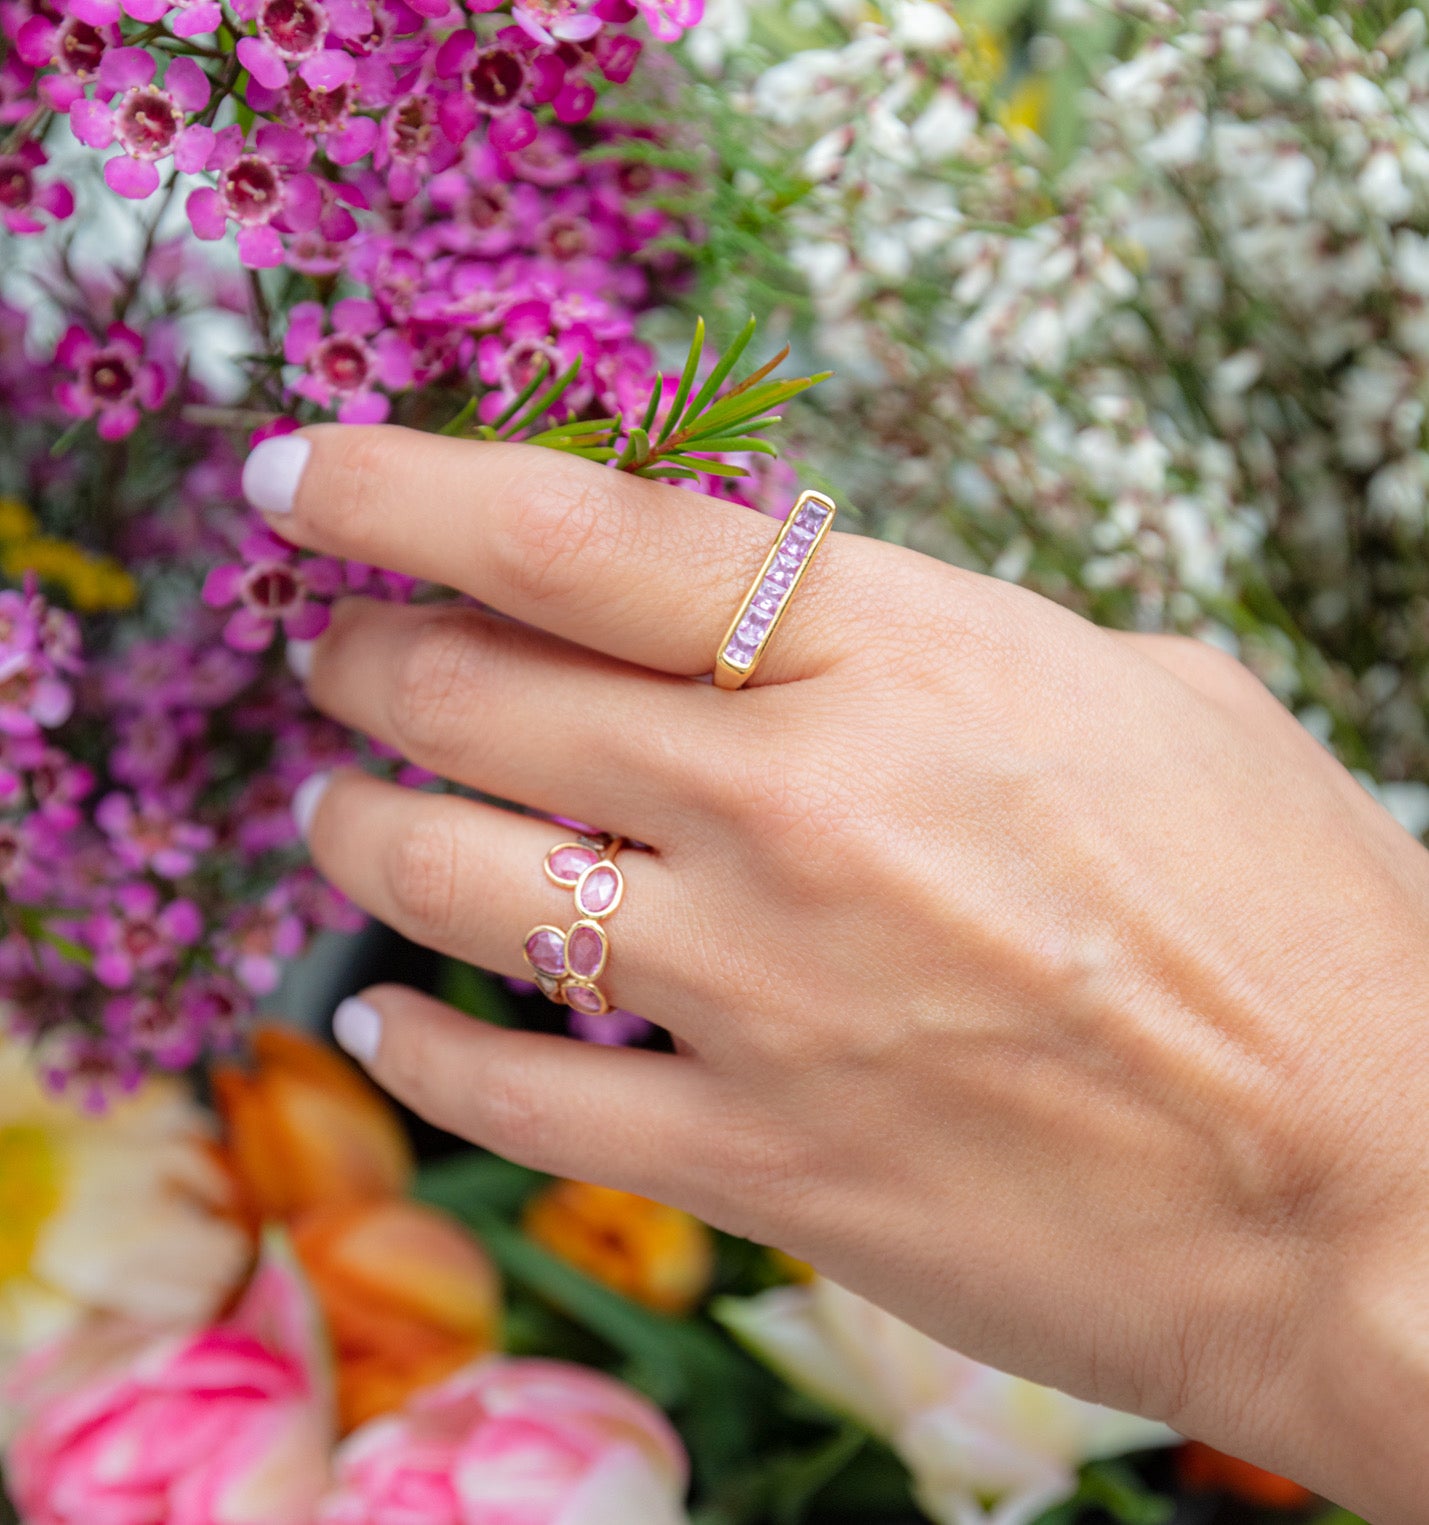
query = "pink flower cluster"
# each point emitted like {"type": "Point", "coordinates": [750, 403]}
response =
{"type": "Point", "coordinates": [132, 943]}
{"type": "Point", "coordinates": [410, 187]}
{"type": "Point", "coordinates": [151, 881]}
{"type": "Point", "coordinates": [234, 1425]}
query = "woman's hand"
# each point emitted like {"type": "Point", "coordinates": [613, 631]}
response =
{"type": "Point", "coordinates": [1050, 987]}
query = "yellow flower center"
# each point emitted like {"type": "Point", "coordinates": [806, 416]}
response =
{"type": "Point", "coordinates": [30, 1182]}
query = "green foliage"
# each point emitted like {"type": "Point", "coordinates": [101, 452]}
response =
{"type": "Point", "coordinates": [1116, 1491]}
{"type": "Point", "coordinates": [476, 993]}
{"type": "Point", "coordinates": [696, 432]}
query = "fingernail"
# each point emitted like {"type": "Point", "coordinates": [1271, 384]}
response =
{"type": "Point", "coordinates": [300, 659]}
{"type": "Point", "coordinates": [272, 472]}
{"type": "Point", "coordinates": [358, 1029]}
{"type": "Point", "coordinates": [305, 800]}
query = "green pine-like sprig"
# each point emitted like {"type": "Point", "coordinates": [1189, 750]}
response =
{"type": "Point", "coordinates": [700, 427]}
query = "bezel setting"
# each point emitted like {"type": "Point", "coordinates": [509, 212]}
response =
{"type": "Point", "coordinates": [764, 606]}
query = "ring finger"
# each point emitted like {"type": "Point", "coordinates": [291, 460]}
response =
{"type": "Point", "coordinates": [466, 879]}
{"type": "Point", "coordinates": [517, 713]}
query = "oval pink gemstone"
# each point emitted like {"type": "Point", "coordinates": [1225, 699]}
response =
{"type": "Point", "coordinates": [599, 890]}
{"type": "Point", "coordinates": [546, 950]}
{"type": "Point", "coordinates": [583, 998]}
{"type": "Point", "coordinates": [568, 861]}
{"type": "Point", "coordinates": [585, 951]}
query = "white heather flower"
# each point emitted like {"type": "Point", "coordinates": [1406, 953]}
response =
{"type": "Point", "coordinates": [1381, 183]}
{"type": "Point", "coordinates": [1396, 491]}
{"type": "Point", "coordinates": [944, 128]}
{"type": "Point", "coordinates": [923, 25]}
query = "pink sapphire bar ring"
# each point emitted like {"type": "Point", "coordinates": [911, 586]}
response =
{"type": "Point", "coordinates": [566, 965]}
{"type": "Point", "coordinates": [773, 589]}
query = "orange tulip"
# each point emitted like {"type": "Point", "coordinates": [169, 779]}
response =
{"type": "Point", "coordinates": [305, 1129]}
{"type": "Point", "coordinates": [652, 1254]}
{"type": "Point", "coordinates": [409, 1297]}
{"type": "Point", "coordinates": [1202, 1467]}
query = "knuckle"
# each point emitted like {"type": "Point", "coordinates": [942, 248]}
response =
{"type": "Point", "coordinates": [513, 1120]}
{"type": "Point", "coordinates": [797, 806]}
{"type": "Point", "coordinates": [434, 679]}
{"type": "Point", "coordinates": [763, 1178]}
{"type": "Point", "coordinates": [558, 534]}
{"type": "Point", "coordinates": [360, 482]}
{"type": "Point", "coordinates": [423, 873]}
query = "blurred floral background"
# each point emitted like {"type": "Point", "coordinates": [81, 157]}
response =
{"type": "Point", "coordinates": [1124, 300]}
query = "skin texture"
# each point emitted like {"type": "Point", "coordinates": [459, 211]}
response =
{"type": "Point", "coordinates": [1051, 987]}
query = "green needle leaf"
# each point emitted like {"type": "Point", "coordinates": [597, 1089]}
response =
{"type": "Point", "coordinates": [545, 402]}
{"type": "Point", "coordinates": [648, 422]}
{"type": "Point", "coordinates": [525, 395]}
{"type": "Point", "coordinates": [727, 362]}
{"type": "Point", "coordinates": [462, 422]}
{"type": "Point", "coordinates": [687, 380]}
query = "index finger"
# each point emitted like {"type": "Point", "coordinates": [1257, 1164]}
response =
{"type": "Point", "coordinates": [639, 570]}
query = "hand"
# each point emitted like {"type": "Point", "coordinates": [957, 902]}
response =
{"type": "Point", "coordinates": [1051, 987]}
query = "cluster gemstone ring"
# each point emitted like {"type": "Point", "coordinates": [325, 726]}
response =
{"type": "Point", "coordinates": [567, 963]}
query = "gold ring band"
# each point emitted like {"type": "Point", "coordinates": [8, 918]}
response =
{"type": "Point", "coordinates": [772, 591]}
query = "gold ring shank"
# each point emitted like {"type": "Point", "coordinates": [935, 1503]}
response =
{"type": "Point", "coordinates": [772, 591]}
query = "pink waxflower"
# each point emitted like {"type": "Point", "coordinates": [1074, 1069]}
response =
{"type": "Point", "coordinates": [136, 935]}
{"type": "Point", "coordinates": [184, 18]}
{"type": "Point", "coordinates": [343, 368]}
{"type": "Point", "coordinates": [39, 649]}
{"type": "Point", "coordinates": [147, 122]}
{"type": "Point", "coordinates": [499, 81]}
{"type": "Point", "coordinates": [553, 21]}
{"type": "Point", "coordinates": [73, 47]}
{"type": "Point", "coordinates": [144, 835]}
{"type": "Point", "coordinates": [93, 1072]}
{"type": "Point", "coordinates": [153, 1028]}
{"type": "Point", "coordinates": [57, 783]}
{"type": "Point", "coordinates": [257, 939]}
{"type": "Point", "coordinates": [521, 1441]}
{"type": "Point", "coordinates": [229, 1426]}
{"type": "Point", "coordinates": [412, 144]}
{"type": "Point", "coordinates": [263, 188]}
{"type": "Point", "coordinates": [272, 586]}
{"type": "Point", "coordinates": [23, 196]}
{"type": "Point", "coordinates": [195, 18]}
{"type": "Point", "coordinates": [325, 112]}
{"type": "Point", "coordinates": [113, 379]}
{"type": "Point", "coordinates": [298, 32]}
{"type": "Point", "coordinates": [669, 20]}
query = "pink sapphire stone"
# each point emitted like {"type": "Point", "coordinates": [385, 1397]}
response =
{"type": "Point", "coordinates": [583, 998]}
{"type": "Point", "coordinates": [547, 951]}
{"type": "Point", "coordinates": [585, 951]}
{"type": "Point", "coordinates": [598, 890]}
{"type": "Point", "coordinates": [569, 861]}
{"type": "Point", "coordinates": [769, 597]}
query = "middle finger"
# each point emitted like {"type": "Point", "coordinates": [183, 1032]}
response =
{"type": "Point", "coordinates": [517, 714]}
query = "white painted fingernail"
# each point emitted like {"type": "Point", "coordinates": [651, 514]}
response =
{"type": "Point", "coordinates": [272, 472]}
{"type": "Point", "coordinates": [300, 659]}
{"type": "Point", "coordinates": [358, 1029]}
{"type": "Point", "coordinates": [305, 800]}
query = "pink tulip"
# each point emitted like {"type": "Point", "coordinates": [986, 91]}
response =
{"type": "Point", "coordinates": [230, 1426]}
{"type": "Point", "coordinates": [514, 1442]}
